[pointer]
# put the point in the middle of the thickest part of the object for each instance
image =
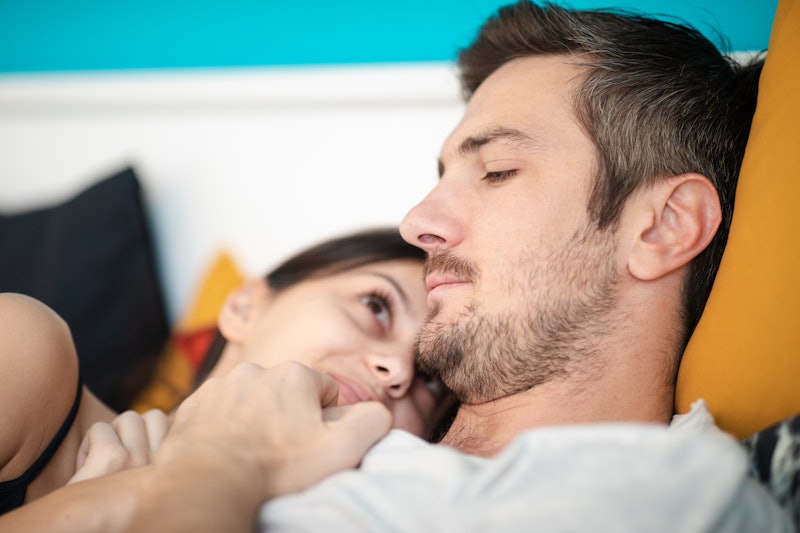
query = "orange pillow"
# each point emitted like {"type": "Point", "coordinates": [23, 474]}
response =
{"type": "Point", "coordinates": [174, 376]}
{"type": "Point", "coordinates": [744, 357]}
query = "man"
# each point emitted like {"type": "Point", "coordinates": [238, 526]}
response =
{"type": "Point", "coordinates": [580, 216]}
{"type": "Point", "coordinates": [573, 236]}
{"type": "Point", "coordinates": [575, 231]}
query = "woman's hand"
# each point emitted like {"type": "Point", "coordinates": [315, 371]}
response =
{"type": "Point", "coordinates": [274, 431]}
{"type": "Point", "coordinates": [130, 440]}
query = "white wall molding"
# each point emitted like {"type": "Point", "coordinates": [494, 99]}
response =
{"type": "Point", "coordinates": [330, 85]}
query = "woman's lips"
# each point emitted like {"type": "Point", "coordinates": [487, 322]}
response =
{"type": "Point", "coordinates": [351, 391]}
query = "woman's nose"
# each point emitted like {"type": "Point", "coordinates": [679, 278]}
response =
{"type": "Point", "coordinates": [393, 372]}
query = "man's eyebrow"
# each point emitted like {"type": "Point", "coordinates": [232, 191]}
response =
{"type": "Point", "coordinates": [505, 135]}
{"type": "Point", "coordinates": [511, 136]}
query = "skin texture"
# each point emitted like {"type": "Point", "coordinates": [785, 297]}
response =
{"type": "Point", "coordinates": [280, 434]}
{"type": "Point", "coordinates": [541, 285]}
{"type": "Point", "coordinates": [36, 343]}
{"type": "Point", "coordinates": [506, 209]}
{"type": "Point", "coordinates": [539, 318]}
{"type": "Point", "coordinates": [357, 327]}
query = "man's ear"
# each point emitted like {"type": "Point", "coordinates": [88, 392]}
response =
{"type": "Point", "coordinates": [238, 310]}
{"type": "Point", "coordinates": [674, 221]}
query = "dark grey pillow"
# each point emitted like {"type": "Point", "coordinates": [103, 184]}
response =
{"type": "Point", "coordinates": [91, 259]}
{"type": "Point", "coordinates": [774, 455]}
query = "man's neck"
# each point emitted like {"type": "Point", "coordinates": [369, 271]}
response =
{"type": "Point", "coordinates": [632, 379]}
{"type": "Point", "coordinates": [486, 429]}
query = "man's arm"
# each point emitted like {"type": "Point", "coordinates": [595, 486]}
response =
{"type": "Point", "coordinates": [240, 440]}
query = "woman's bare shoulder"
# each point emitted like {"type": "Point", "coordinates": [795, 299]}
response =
{"type": "Point", "coordinates": [38, 379]}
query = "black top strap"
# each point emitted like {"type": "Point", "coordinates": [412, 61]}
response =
{"type": "Point", "coordinates": [12, 492]}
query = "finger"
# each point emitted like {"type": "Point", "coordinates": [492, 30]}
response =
{"type": "Point", "coordinates": [355, 428]}
{"type": "Point", "coordinates": [133, 434]}
{"type": "Point", "coordinates": [156, 424]}
{"type": "Point", "coordinates": [328, 390]}
{"type": "Point", "coordinates": [298, 382]}
{"type": "Point", "coordinates": [100, 434]}
{"type": "Point", "coordinates": [83, 449]}
{"type": "Point", "coordinates": [331, 414]}
{"type": "Point", "coordinates": [340, 444]}
{"type": "Point", "coordinates": [101, 453]}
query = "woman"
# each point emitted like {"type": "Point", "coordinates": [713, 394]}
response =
{"type": "Point", "coordinates": [369, 351]}
{"type": "Point", "coordinates": [348, 307]}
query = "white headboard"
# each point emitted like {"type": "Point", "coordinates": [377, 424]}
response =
{"type": "Point", "coordinates": [260, 162]}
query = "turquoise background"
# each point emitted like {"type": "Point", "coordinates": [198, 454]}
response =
{"type": "Point", "coordinates": [60, 35]}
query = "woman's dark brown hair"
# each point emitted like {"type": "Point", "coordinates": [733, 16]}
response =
{"type": "Point", "coordinates": [333, 256]}
{"type": "Point", "coordinates": [329, 257]}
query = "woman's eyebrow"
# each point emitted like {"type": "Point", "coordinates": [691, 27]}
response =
{"type": "Point", "coordinates": [393, 282]}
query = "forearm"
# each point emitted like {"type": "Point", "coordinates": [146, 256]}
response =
{"type": "Point", "coordinates": [164, 498]}
{"type": "Point", "coordinates": [195, 497]}
{"type": "Point", "coordinates": [235, 443]}
{"type": "Point", "coordinates": [99, 505]}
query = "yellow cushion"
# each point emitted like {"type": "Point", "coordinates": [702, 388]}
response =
{"type": "Point", "coordinates": [744, 357]}
{"type": "Point", "coordinates": [174, 375]}
{"type": "Point", "coordinates": [221, 279]}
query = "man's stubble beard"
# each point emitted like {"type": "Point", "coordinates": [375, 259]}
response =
{"type": "Point", "coordinates": [484, 356]}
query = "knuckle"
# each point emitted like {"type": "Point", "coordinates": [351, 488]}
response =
{"type": "Point", "coordinates": [127, 417]}
{"type": "Point", "coordinates": [292, 370]}
{"type": "Point", "coordinates": [115, 457]}
{"type": "Point", "coordinates": [245, 370]}
{"type": "Point", "coordinates": [155, 415]}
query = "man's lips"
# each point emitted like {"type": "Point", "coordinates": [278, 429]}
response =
{"type": "Point", "coordinates": [435, 281]}
{"type": "Point", "coordinates": [352, 391]}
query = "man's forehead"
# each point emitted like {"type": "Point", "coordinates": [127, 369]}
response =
{"type": "Point", "coordinates": [517, 104]}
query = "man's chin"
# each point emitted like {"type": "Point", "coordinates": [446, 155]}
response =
{"type": "Point", "coordinates": [442, 319]}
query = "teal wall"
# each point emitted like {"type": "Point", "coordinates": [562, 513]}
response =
{"type": "Point", "coordinates": [48, 35]}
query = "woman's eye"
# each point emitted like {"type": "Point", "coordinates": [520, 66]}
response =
{"type": "Point", "coordinates": [379, 306]}
{"type": "Point", "coordinates": [500, 175]}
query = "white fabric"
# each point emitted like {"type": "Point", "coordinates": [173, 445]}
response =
{"type": "Point", "coordinates": [601, 477]}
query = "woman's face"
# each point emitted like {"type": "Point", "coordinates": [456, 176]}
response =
{"type": "Point", "coordinates": [358, 326]}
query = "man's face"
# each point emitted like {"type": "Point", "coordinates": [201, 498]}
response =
{"type": "Point", "coordinates": [520, 281]}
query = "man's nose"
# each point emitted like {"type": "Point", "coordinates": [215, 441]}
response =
{"type": "Point", "coordinates": [433, 223]}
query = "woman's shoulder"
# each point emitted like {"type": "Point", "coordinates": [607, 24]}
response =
{"type": "Point", "coordinates": [37, 382]}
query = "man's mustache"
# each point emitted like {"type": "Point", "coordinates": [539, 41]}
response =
{"type": "Point", "coordinates": [447, 262]}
